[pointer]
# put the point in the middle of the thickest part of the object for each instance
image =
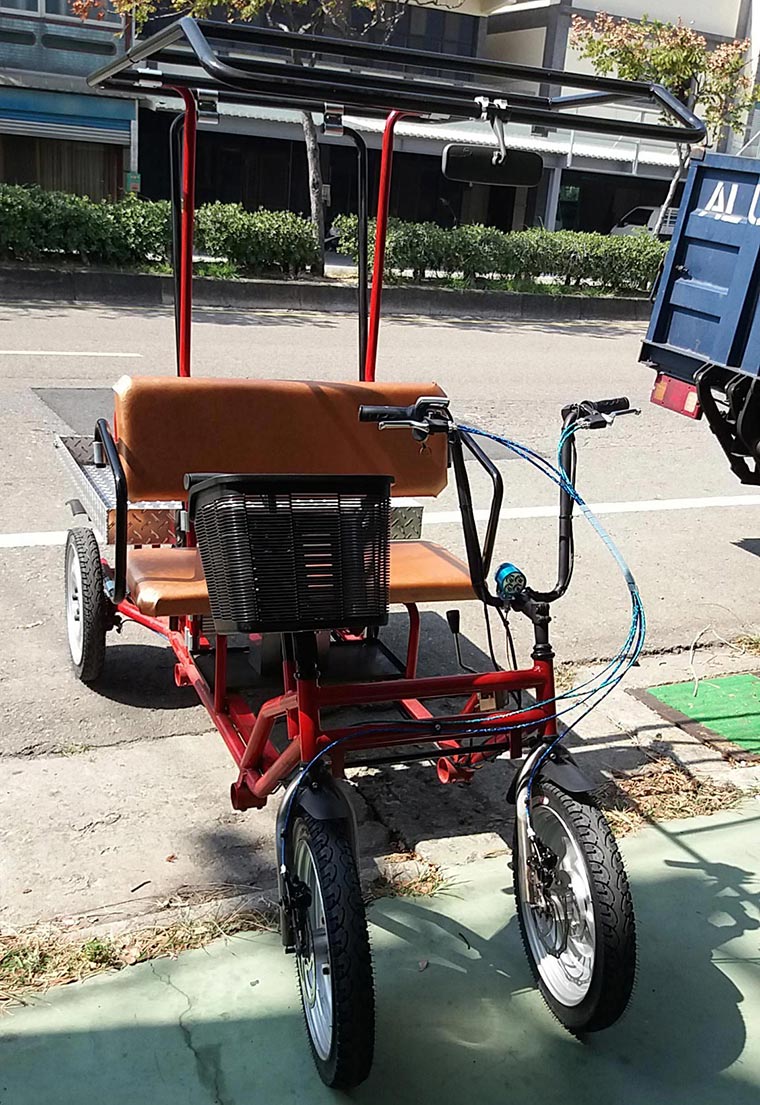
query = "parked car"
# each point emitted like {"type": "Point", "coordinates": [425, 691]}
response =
{"type": "Point", "coordinates": [644, 219]}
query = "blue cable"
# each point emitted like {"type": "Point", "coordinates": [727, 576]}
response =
{"type": "Point", "coordinates": [614, 671]}
{"type": "Point", "coordinates": [625, 658]}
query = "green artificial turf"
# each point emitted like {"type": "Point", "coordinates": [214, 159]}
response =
{"type": "Point", "coordinates": [728, 706]}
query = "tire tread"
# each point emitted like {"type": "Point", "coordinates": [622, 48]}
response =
{"type": "Point", "coordinates": [351, 958]}
{"type": "Point", "coordinates": [93, 604]}
{"type": "Point", "coordinates": [615, 967]}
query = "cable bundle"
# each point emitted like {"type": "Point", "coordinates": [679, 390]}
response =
{"type": "Point", "coordinates": [588, 694]}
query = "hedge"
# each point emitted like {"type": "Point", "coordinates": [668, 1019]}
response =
{"type": "Point", "coordinates": [473, 252]}
{"type": "Point", "coordinates": [37, 225]}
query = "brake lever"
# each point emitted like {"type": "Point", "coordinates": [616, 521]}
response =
{"type": "Point", "coordinates": [407, 424]}
{"type": "Point", "coordinates": [600, 420]}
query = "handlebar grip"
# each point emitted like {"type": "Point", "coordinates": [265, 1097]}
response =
{"type": "Point", "coordinates": [612, 406]}
{"type": "Point", "coordinates": [383, 414]}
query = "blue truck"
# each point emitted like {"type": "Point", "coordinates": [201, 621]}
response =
{"type": "Point", "coordinates": [704, 333]}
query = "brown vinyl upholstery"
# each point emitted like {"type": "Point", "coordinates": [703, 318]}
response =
{"type": "Point", "coordinates": [167, 426]}
{"type": "Point", "coordinates": [164, 582]}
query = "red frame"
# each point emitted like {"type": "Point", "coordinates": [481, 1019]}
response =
{"type": "Point", "coordinates": [247, 734]}
{"type": "Point", "coordinates": [262, 767]}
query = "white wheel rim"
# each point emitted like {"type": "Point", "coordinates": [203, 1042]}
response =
{"type": "Point", "coordinates": [314, 967]}
{"type": "Point", "coordinates": [74, 608]}
{"type": "Point", "coordinates": [561, 935]}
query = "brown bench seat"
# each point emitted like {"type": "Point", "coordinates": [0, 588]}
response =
{"type": "Point", "coordinates": [166, 426]}
{"type": "Point", "coordinates": [164, 582]}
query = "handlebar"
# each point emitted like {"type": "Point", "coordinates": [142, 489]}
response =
{"type": "Point", "coordinates": [612, 406]}
{"type": "Point", "coordinates": [428, 414]}
{"type": "Point", "coordinates": [385, 414]}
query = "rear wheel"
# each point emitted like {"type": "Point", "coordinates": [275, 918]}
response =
{"type": "Point", "coordinates": [332, 952]}
{"type": "Point", "coordinates": [575, 911]}
{"type": "Point", "coordinates": [86, 604]}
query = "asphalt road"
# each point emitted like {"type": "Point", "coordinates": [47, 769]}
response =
{"type": "Point", "coordinates": [121, 778]}
{"type": "Point", "coordinates": [696, 567]}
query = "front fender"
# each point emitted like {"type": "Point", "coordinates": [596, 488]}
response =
{"type": "Point", "coordinates": [559, 768]}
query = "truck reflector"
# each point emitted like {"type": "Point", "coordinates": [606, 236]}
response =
{"type": "Point", "coordinates": [676, 396]}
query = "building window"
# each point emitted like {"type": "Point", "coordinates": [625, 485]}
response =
{"type": "Point", "coordinates": [440, 32]}
{"type": "Point", "coordinates": [61, 9]}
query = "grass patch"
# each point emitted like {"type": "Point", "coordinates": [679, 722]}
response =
{"type": "Point", "coordinates": [427, 880]}
{"type": "Point", "coordinates": [565, 675]}
{"type": "Point", "coordinates": [747, 642]}
{"type": "Point", "coordinates": [32, 960]}
{"type": "Point", "coordinates": [75, 749]}
{"type": "Point", "coordinates": [661, 791]}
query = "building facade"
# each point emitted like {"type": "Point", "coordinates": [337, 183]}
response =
{"type": "Point", "coordinates": [55, 132]}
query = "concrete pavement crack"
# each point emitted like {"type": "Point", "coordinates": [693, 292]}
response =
{"type": "Point", "coordinates": [206, 1059]}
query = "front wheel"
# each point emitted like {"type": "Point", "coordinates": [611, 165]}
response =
{"type": "Point", "coordinates": [332, 952]}
{"type": "Point", "coordinates": [575, 911]}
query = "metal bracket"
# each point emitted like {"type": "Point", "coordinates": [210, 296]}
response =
{"type": "Point", "coordinates": [497, 123]}
{"type": "Point", "coordinates": [208, 106]}
{"type": "Point", "coordinates": [149, 76]}
{"type": "Point", "coordinates": [495, 112]}
{"type": "Point", "coordinates": [332, 120]}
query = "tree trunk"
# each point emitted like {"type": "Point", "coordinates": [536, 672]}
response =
{"type": "Point", "coordinates": [315, 187]}
{"type": "Point", "coordinates": [683, 160]}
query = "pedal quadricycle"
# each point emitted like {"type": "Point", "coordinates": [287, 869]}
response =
{"type": "Point", "coordinates": [262, 512]}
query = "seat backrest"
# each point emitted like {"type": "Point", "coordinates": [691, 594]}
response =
{"type": "Point", "coordinates": [167, 426]}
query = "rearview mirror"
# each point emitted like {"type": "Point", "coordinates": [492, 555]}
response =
{"type": "Point", "coordinates": [474, 165]}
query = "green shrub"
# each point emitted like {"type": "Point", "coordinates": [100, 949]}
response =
{"type": "Point", "coordinates": [35, 225]}
{"type": "Point", "coordinates": [476, 252]}
{"type": "Point", "coordinates": [256, 241]}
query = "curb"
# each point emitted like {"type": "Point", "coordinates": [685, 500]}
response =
{"type": "Point", "coordinates": [135, 289]}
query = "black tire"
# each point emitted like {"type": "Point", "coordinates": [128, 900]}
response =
{"type": "Point", "coordinates": [613, 966]}
{"type": "Point", "coordinates": [86, 606]}
{"type": "Point", "coordinates": [345, 1057]}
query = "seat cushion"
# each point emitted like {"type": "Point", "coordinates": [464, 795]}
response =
{"type": "Point", "coordinates": [164, 582]}
{"type": "Point", "coordinates": [422, 571]}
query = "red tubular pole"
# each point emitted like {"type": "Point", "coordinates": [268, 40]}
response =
{"type": "Point", "coordinates": [188, 220]}
{"type": "Point", "coordinates": [381, 230]}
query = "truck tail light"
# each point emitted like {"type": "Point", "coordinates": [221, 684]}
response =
{"type": "Point", "coordinates": [676, 396]}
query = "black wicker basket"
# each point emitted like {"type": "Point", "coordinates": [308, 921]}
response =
{"type": "Point", "coordinates": [293, 553]}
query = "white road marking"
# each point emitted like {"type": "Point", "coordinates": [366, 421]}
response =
{"type": "Point", "coordinates": [61, 353]}
{"type": "Point", "coordinates": [641, 506]}
{"type": "Point", "coordinates": [444, 517]}
{"type": "Point", "coordinates": [28, 540]}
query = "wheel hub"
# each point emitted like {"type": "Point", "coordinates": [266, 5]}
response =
{"type": "Point", "coordinates": [558, 909]}
{"type": "Point", "coordinates": [74, 623]}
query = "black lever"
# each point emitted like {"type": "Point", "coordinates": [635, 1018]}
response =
{"type": "Point", "coordinates": [452, 617]}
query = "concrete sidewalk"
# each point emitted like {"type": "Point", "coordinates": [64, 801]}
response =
{"type": "Point", "coordinates": [458, 1017]}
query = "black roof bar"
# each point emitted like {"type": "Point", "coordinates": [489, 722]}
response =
{"type": "Point", "coordinates": [204, 54]}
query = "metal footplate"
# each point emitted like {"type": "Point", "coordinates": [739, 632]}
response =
{"type": "Point", "coordinates": [155, 523]}
{"type": "Point", "coordinates": [148, 523]}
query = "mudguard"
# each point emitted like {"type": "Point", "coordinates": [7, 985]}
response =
{"type": "Point", "coordinates": [329, 800]}
{"type": "Point", "coordinates": [324, 799]}
{"type": "Point", "coordinates": [559, 768]}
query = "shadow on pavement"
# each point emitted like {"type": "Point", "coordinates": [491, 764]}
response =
{"type": "Point", "coordinates": [142, 675]}
{"type": "Point", "coordinates": [458, 1017]}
